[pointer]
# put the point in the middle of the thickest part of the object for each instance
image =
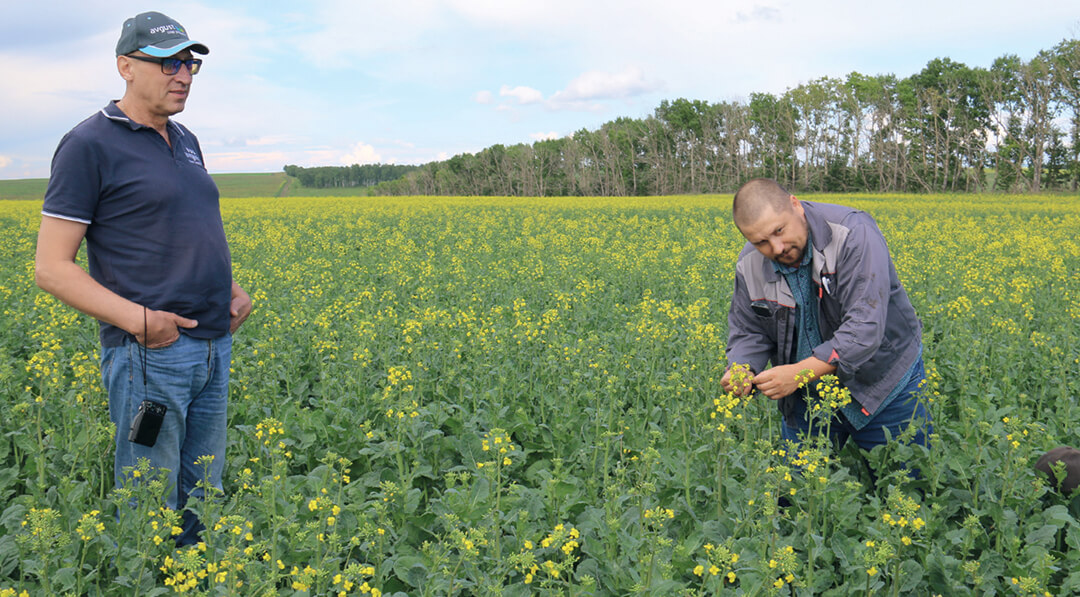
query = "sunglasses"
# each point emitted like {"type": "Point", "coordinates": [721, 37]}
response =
{"type": "Point", "coordinates": [171, 66]}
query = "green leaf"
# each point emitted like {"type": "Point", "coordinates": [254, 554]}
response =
{"type": "Point", "coordinates": [1072, 539]}
{"type": "Point", "coordinates": [1059, 515]}
{"type": "Point", "coordinates": [410, 570]}
{"type": "Point", "coordinates": [13, 516]}
{"type": "Point", "coordinates": [1043, 535]}
{"type": "Point", "coordinates": [1071, 584]}
{"type": "Point", "coordinates": [910, 575]}
{"type": "Point", "coordinates": [9, 555]}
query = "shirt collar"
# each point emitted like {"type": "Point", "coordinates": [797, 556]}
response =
{"type": "Point", "coordinates": [114, 113]}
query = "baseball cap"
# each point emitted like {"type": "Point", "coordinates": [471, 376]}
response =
{"type": "Point", "coordinates": [157, 35]}
{"type": "Point", "coordinates": [1071, 457]}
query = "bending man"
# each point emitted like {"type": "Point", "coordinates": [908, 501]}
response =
{"type": "Point", "coordinates": [816, 289]}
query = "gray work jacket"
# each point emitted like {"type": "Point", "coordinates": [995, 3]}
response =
{"type": "Point", "coordinates": [870, 329]}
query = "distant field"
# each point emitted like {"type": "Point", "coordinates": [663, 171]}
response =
{"type": "Point", "coordinates": [27, 188]}
{"type": "Point", "coordinates": [271, 184]}
{"type": "Point", "coordinates": [252, 185]}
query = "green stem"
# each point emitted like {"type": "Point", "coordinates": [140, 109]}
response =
{"type": "Point", "coordinates": [895, 585]}
{"type": "Point", "coordinates": [648, 575]}
{"type": "Point", "coordinates": [721, 461]}
{"type": "Point", "coordinates": [453, 577]}
{"type": "Point", "coordinates": [497, 514]}
{"type": "Point", "coordinates": [811, 552]}
{"type": "Point", "coordinates": [41, 454]}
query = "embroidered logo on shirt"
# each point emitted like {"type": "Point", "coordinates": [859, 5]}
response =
{"type": "Point", "coordinates": [192, 156]}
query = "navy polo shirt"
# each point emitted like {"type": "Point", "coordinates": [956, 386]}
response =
{"type": "Point", "coordinates": [154, 233]}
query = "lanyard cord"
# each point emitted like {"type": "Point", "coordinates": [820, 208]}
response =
{"type": "Point", "coordinates": [146, 340]}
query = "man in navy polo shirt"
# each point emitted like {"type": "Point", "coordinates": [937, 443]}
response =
{"type": "Point", "coordinates": [132, 182]}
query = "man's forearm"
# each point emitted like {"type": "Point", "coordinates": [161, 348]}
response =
{"type": "Point", "coordinates": [819, 367]}
{"type": "Point", "coordinates": [74, 287]}
{"type": "Point", "coordinates": [781, 381]}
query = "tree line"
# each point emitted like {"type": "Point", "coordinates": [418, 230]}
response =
{"type": "Point", "coordinates": [367, 175]}
{"type": "Point", "coordinates": [1013, 127]}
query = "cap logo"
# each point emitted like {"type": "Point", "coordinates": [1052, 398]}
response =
{"type": "Point", "coordinates": [164, 28]}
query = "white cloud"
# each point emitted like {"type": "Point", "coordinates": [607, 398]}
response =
{"type": "Point", "coordinates": [275, 140]}
{"type": "Point", "coordinates": [39, 86]}
{"type": "Point", "coordinates": [249, 161]}
{"type": "Point", "coordinates": [524, 95]}
{"type": "Point", "coordinates": [335, 33]}
{"type": "Point", "coordinates": [544, 136]}
{"type": "Point", "coordinates": [400, 143]}
{"type": "Point", "coordinates": [759, 13]}
{"type": "Point", "coordinates": [4, 161]}
{"type": "Point", "coordinates": [597, 85]}
{"type": "Point", "coordinates": [483, 97]}
{"type": "Point", "coordinates": [361, 153]}
{"type": "Point", "coordinates": [501, 14]}
{"type": "Point", "coordinates": [585, 93]}
{"type": "Point", "coordinates": [257, 141]}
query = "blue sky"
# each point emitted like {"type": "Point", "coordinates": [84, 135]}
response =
{"type": "Point", "coordinates": [410, 81]}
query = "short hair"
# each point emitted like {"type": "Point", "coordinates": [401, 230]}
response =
{"type": "Point", "coordinates": [754, 196]}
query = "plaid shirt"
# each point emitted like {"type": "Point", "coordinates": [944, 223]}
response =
{"type": "Point", "coordinates": [808, 332]}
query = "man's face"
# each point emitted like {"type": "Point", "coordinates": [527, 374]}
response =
{"type": "Point", "coordinates": [779, 235]}
{"type": "Point", "coordinates": [160, 94]}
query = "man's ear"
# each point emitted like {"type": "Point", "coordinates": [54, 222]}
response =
{"type": "Point", "coordinates": [124, 67]}
{"type": "Point", "coordinates": [796, 205]}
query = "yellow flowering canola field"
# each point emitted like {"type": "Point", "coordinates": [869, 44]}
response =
{"type": "Point", "coordinates": [473, 396]}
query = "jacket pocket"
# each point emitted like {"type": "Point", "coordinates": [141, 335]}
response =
{"type": "Point", "coordinates": [829, 309]}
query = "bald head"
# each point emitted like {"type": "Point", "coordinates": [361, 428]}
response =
{"type": "Point", "coordinates": [757, 197]}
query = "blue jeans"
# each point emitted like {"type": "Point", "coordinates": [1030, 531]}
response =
{"type": "Point", "coordinates": [895, 417]}
{"type": "Point", "coordinates": [191, 378]}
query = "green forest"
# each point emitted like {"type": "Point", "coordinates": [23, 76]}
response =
{"type": "Point", "coordinates": [328, 177]}
{"type": "Point", "coordinates": [1013, 126]}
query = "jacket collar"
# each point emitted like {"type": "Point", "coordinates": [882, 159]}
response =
{"type": "Point", "coordinates": [820, 231]}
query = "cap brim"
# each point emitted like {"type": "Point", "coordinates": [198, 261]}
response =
{"type": "Point", "coordinates": [165, 52]}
